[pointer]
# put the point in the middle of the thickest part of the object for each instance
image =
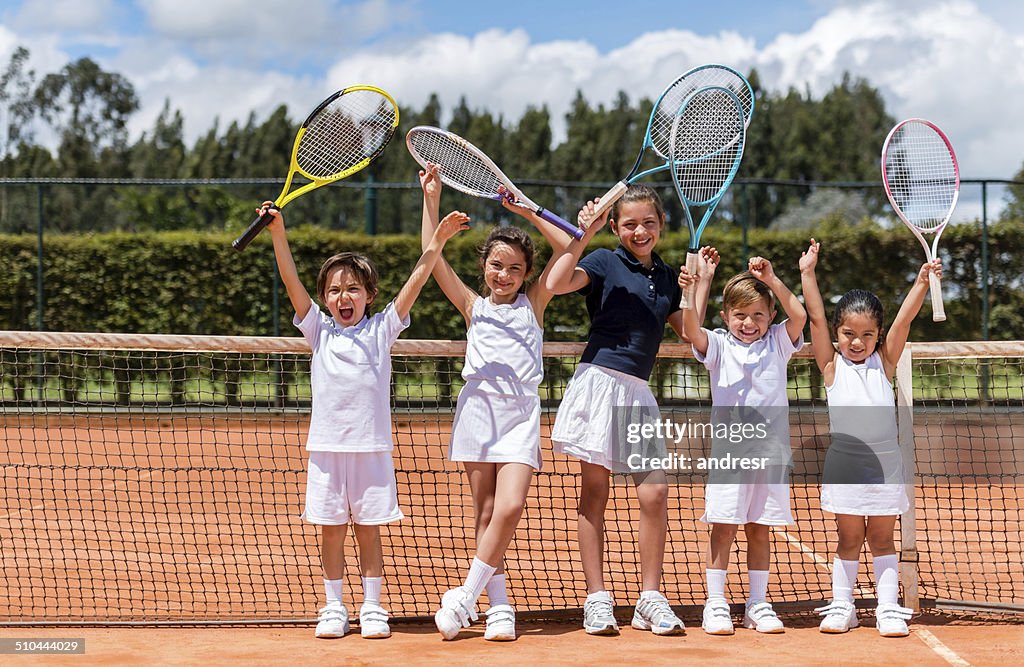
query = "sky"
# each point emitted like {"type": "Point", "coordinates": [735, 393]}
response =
{"type": "Point", "coordinates": [958, 63]}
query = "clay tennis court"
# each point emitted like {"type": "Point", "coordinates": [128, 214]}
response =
{"type": "Point", "coordinates": [185, 516]}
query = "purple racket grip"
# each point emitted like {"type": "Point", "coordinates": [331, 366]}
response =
{"type": "Point", "coordinates": [566, 226]}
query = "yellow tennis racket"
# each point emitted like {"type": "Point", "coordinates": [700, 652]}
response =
{"type": "Point", "coordinates": [343, 135]}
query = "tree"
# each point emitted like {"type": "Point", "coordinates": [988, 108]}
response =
{"type": "Point", "coordinates": [87, 107]}
{"type": "Point", "coordinates": [16, 102]}
{"type": "Point", "coordinates": [1015, 198]}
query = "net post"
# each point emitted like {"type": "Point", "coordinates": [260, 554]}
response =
{"type": "Point", "coordinates": [908, 522]}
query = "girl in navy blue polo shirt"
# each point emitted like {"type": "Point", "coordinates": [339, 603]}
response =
{"type": "Point", "coordinates": [630, 294]}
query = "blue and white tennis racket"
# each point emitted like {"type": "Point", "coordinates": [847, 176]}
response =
{"type": "Point", "coordinates": [707, 139]}
{"type": "Point", "coordinates": [659, 128]}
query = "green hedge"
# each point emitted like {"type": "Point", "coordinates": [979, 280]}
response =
{"type": "Point", "coordinates": [187, 282]}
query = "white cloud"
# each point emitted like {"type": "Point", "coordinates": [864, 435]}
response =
{"type": "Point", "coordinates": [271, 32]}
{"type": "Point", "coordinates": [952, 62]}
{"type": "Point", "coordinates": [54, 15]}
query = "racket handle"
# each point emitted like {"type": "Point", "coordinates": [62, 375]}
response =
{"type": "Point", "coordinates": [243, 241]}
{"type": "Point", "coordinates": [935, 287]}
{"type": "Point", "coordinates": [689, 294]}
{"type": "Point", "coordinates": [566, 226]}
{"type": "Point", "coordinates": [610, 197]}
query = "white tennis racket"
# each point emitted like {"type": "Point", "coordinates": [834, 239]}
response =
{"type": "Point", "coordinates": [466, 168]}
{"type": "Point", "coordinates": [922, 180]}
{"type": "Point", "coordinates": [663, 116]}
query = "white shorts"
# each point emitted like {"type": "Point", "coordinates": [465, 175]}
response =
{"type": "Point", "coordinates": [598, 406]}
{"type": "Point", "coordinates": [766, 504]}
{"type": "Point", "coordinates": [496, 428]}
{"type": "Point", "coordinates": [351, 487]}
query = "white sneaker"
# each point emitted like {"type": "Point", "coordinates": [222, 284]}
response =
{"type": "Point", "coordinates": [373, 622]}
{"type": "Point", "coordinates": [839, 616]}
{"type": "Point", "coordinates": [332, 622]}
{"type": "Point", "coordinates": [456, 612]}
{"type": "Point", "coordinates": [655, 614]}
{"type": "Point", "coordinates": [717, 620]}
{"type": "Point", "coordinates": [761, 617]}
{"type": "Point", "coordinates": [891, 620]}
{"type": "Point", "coordinates": [599, 616]}
{"type": "Point", "coordinates": [501, 624]}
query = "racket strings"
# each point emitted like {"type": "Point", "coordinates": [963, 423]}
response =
{"type": "Point", "coordinates": [663, 118]}
{"type": "Point", "coordinates": [921, 175]}
{"type": "Point", "coordinates": [707, 142]}
{"type": "Point", "coordinates": [349, 130]}
{"type": "Point", "coordinates": [460, 167]}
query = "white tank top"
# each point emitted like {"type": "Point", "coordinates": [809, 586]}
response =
{"type": "Point", "coordinates": [504, 347]}
{"type": "Point", "coordinates": [861, 402]}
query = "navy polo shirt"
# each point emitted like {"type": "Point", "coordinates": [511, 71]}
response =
{"type": "Point", "coordinates": [628, 306]}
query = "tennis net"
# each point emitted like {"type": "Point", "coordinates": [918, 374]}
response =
{"type": "Point", "coordinates": [160, 479]}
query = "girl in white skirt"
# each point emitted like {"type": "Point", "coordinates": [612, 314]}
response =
{"type": "Point", "coordinates": [630, 294]}
{"type": "Point", "coordinates": [863, 483]}
{"type": "Point", "coordinates": [496, 431]}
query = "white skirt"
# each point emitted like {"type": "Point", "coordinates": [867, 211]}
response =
{"type": "Point", "coordinates": [598, 409]}
{"type": "Point", "coordinates": [496, 428]}
{"type": "Point", "coordinates": [865, 499]}
{"type": "Point", "coordinates": [864, 479]}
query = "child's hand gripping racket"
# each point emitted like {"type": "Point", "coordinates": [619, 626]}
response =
{"type": "Point", "coordinates": [922, 180]}
{"type": "Point", "coordinates": [343, 135]}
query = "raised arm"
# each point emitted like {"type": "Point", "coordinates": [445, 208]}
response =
{"type": "Point", "coordinates": [461, 295]}
{"type": "Point", "coordinates": [821, 334]}
{"type": "Point", "coordinates": [896, 337]}
{"type": "Point", "coordinates": [706, 265]}
{"type": "Point", "coordinates": [562, 275]}
{"type": "Point", "coordinates": [538, 293]}
{"type": "Point", "coordinates": [297, 293]}
{"type": "Point", "coordinates": [762, 269]}
{"type": "Point", "coordinates": [692, 317]}
{"type": "Point", "coordinates": [452, 224]}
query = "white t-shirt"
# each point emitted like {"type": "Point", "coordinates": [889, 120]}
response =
{"type": "Point", "coordinates": [751, 375]}
{"type": "Point", "coordinates": [350, 376]}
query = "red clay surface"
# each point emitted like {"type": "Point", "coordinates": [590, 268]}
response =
{"type": "Point", "coordinates": [539, 643]}
{"type": "Point", "coordinates": [195, 516]}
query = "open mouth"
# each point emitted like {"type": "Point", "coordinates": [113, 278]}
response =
{"type": "Point", "coordinates": [346, 313]}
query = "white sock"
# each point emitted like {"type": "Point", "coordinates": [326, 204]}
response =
{"type": "Point", "coordinates": [758, 581]}
{"type": "Point", "coordinates": [496, 593]}
{"type": "Point", "coordinates": [371, 590]}
{"type": "Point", "coordinates": [332, 587]}
{"type": "Point", "coordinates": [599, 595]}
{"type": "Point", "coordinates": [479, 574]}
{"type": "Point", "coordinates": [650, 594]}
{"type": "Point", "coordinates": [716, 584]}
{"type": "Point", "coordinates": [844, 578]}
{"type": "Point", "coordinates": [887, 578]}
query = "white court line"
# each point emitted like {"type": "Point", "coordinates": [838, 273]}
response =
{"type": "Point", "coordinates": [930, 640]}
{"type": "Point", "coordinates": [941, 649]}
